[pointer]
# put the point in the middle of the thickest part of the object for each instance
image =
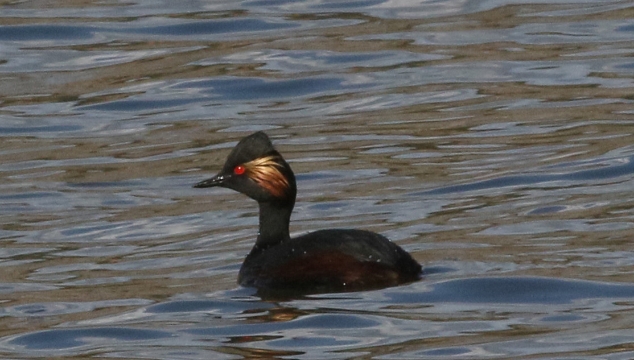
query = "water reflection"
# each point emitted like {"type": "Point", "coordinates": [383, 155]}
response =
{"type": "Point", "coordinates": [305, 326]}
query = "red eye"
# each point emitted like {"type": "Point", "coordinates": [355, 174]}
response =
{"type": "Point", "coordinates": [239, 170]}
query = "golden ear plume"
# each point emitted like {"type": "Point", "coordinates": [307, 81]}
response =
{"type": "Point", "coordinates": [266, 172]}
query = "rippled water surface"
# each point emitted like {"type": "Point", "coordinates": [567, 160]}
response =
{"type": "Point", "coordinates": [494, 140]}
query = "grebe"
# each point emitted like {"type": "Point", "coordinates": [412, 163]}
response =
{"type": "Point", "coordinates": [334, 260]}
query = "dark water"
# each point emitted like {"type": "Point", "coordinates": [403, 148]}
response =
{"type": "Point", "coordinates": [491, 139]}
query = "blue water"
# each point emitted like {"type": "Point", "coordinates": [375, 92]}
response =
{"type": "Point", "coordinates": [491, 139]}
{"type": "Point", "coordinates": [613, 170]}
{"type": "Point", "coordinates": [330, 329]}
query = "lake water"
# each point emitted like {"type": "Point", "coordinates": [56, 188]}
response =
{"type": "Point", "coordinates": [494, 140]}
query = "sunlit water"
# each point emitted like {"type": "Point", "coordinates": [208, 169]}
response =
{"type": "Point", "coordinates": [491, 139]}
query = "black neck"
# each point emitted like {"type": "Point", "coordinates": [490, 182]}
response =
{"type": "Point", "coordinates": [274, 220]}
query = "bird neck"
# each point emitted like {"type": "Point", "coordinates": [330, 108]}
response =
{"type": "Point", "coordinates": [274, 221]}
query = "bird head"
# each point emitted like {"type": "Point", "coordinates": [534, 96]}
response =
{"type": "Point", "coordinates": [257, 170]}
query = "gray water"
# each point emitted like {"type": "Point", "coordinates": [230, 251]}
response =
{"type": "Point", "coordinates": [491, 139]}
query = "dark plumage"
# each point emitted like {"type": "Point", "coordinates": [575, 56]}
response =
{"type": "Point", "coordinates": [322, 261]}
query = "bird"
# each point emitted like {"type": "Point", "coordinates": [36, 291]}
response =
{"type": "Point", "coordinates": [322, 261]}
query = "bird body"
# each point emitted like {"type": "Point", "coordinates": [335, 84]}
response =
{"type": "Point", "coordinates": [332, 260]}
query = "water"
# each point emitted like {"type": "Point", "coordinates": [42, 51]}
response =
{"type": "Point", "coordinates": [491, 139]}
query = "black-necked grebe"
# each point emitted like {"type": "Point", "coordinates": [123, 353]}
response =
{"type": "Point", "coordinates": [333, 260]}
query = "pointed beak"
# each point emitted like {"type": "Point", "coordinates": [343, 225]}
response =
{"type": "Point", "coordinates": [217, 180]}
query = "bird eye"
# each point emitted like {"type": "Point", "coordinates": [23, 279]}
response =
{"type": "Point", "coordinates": [239, 170]}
